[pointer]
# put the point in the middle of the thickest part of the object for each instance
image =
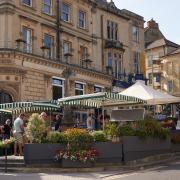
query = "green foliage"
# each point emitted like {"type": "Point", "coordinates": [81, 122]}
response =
{"type": "Point", "coordinates": [99, 136]}
{"type": "Point", "coordinates": [151, 128]}
{"type": "Point", "coordinates": [56, 137]}
{"type": "Point", "coordinates": [7, 143]}
{"type": "Point", "coordinates": [126, 130]}
{"type": "Point", "coordinates": [78, 139]}
{"type": "Point", "coordinates": [142, 129]}
{"type": "Point", "coordinates": [36, 129]}
{"type": "Point", "coordinates": [112, 129]}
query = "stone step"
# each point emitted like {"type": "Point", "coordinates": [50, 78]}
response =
{"type": "Point", "coordinates": [11, 164]}
{"type": "Point", "coordinates": [14, 159]}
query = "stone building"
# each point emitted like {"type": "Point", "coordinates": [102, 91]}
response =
{"type": "Point", "coordinates": [50, 49]}
{"type": "Point", "coordinates": [156, 46]}
{"type": "Point", "coordinates": [171, 73]}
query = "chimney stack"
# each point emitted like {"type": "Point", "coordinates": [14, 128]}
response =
{"type": "Point", "coordinates": [152, 24]}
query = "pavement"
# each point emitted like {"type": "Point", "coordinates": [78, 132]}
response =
{"type": "Point", "coordinates": [169, 171]}
{"type": "Point", "coordinates": [160, 167]}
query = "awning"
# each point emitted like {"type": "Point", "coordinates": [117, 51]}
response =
{"type": "Point", "coordinates": [25, 107]}
{"type": "Point", "coordinates": [97, 100]}
{"type": "Point", "coordinates": [151, 96]}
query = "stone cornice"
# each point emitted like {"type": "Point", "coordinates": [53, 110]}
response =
{"type": "Point", "coordinates": [7, 6]}
{"type": "Point", "coordinates": [12, 70]}
{"type": "Point", "coordinates": [15, 55]}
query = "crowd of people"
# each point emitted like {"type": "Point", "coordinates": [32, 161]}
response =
{"type": "Point", "coordinates": [17, 130]}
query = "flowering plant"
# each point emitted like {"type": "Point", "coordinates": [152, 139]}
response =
{"type": "Point", "coordinates": [6, 142]}
{"type": "Point", "coordinates": [80, 155]}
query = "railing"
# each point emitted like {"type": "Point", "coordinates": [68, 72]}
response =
{"type": "Point", "coordinates": [20, 46]}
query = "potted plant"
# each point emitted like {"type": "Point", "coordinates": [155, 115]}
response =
{"type": "Point", "coordinates": [78, 158]}
{"type": "Point", "coordinates": [78, 151]}
{"type": "Point", "coordinates": [144, 138]}
{"type": "Point", "coordinates": [43, 144]}
{"type": "Point", "coordinates": [109, 151]}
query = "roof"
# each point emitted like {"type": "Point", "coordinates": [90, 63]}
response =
{"type": "Point", "coordinates": [111, 7]}
{"type": "Point", "coordinates": [176, 51]}
{"type": "Point", "coordinates": [162, 42]}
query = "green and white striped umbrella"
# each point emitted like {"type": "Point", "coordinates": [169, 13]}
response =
{"type": "Point", "coordinates": [25, 107]}
{"type": "Point", "coordinates": [99, 100]}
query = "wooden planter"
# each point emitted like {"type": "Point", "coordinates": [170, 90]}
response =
{"type": "Point", "coordinates": [67, 163]}
{"type": "Point", "coordinates": [109, 152]}
{"type": "Point", "coordinates": [136, 148]}
{"type": "Point", "coordinates": [41, 153]}
{"type": "Point", "coordinates": [175, 147]}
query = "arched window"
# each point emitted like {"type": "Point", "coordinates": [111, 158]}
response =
{"type": "Point", "coordinates": [5, 97]}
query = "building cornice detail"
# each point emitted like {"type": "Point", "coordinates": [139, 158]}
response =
{"type": "Point", "coordinates": [50, 63]}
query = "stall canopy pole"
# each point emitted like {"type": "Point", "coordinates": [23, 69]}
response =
{"type": "Point", "coordinates": [103, 114]}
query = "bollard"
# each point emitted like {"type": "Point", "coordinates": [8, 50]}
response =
{"type": "Point", "coordinates": [5, 159]}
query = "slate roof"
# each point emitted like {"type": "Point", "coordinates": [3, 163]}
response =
{"type": "Point", "coordinates": [162, 42]}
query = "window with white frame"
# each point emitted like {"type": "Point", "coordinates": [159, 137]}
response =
{"type": "Point", "coordinates": [170, 86]}
{"type": "Point", "coordinates": [136, 62]}
{"type": "Point", "coordinates": [110, 59]}
{"type": "Point", "coordinates": [66, 12]}
{"type": "Point", "coordinates": [112, 30]}
{"type": "Point", "coordinates": [57, 88]}
{"type": "Point", "coordinates": [67, 51]}
{"type": "Point", "coordinates": [150, 78]}
{"type": "Point", "coordinates": [135, 33]}
{"type": "Point", "coordinates": [27, 2]}
{"type": "Point", "coordinates": [47, 6]}
{"type": "Point", "coordinates": [83, 54]}
{"type": "Point", "coordinates": [98, 89]}
{"type": "Point", "coordinates": [79, 88]}
{"type": "Point", "coordinates": [48, 43]}
{"type": "Point", "coordinates": [150, 57]}
{"type": "Point", "coordinates": [82, 19]}
{"type": "Point", "coordinates": [27, 37]}
{"type": "Point", "coordinates": [66, 47]}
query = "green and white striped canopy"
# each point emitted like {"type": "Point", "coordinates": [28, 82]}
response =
{"type": "Point", "coordinates": [25, 107]}
{"type": "Point", "coordinates": [98, 100]}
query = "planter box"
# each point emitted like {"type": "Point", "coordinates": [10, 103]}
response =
{"type": "Point", "coordinates": [136, 148]}
{"type": "Point", "coordinates": [175, 147]}
{"type": "Point", "coordinates": [41, 153]}
{"type": "Point", "coordinates": [67, 163]}
{"type": "Point", "coordinates": [109, 152]}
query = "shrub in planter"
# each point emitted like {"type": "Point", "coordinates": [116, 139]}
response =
{"type": "Point", "coordinates": [56, 137]}
{"type": "Point", "coordinates": [99, 136]}
{"type": "Point", "coordinates": [175, 138]}
{"type": "Point", "coordinates": [126, 130]}
{"type": "Point", "coordinates": [7, 143]}
{"type": "Point", "coordinates": [78, 139]}
{"type": "Point", "coordinates": [78, 147]}
{"type": "Point", "coordinates": [151, 128]}
{"type": "Point", "coordinates": [36, 129]}
{"type": "Point", "coordinates": [79, 155]}
{"type": "Point", "coordinates": [112, 130]}
{"type": "Point", "coordinates": [141, 128]}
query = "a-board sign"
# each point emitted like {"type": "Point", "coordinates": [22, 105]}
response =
{"type": "Point", "coordinates": [127, 114]}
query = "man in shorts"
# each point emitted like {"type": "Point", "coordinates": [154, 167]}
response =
{"type": "Point", "coordinates": [18, 134]}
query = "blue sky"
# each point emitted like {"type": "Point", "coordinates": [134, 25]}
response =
{"type": "Point", "coordinates": [165, 12]}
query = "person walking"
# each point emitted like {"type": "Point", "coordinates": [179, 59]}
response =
{"type": "Point", "coordinates": [6, 130]}
{"type": "Point", "coordinates": [18, 134]}
{"type": "Point", "coordinates": [90, 122]}
{"type": "Point", "coordinates": [57, 124]}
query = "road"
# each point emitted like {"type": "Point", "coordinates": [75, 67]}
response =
{"type": "Point", "coordinates": [170, 171]}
